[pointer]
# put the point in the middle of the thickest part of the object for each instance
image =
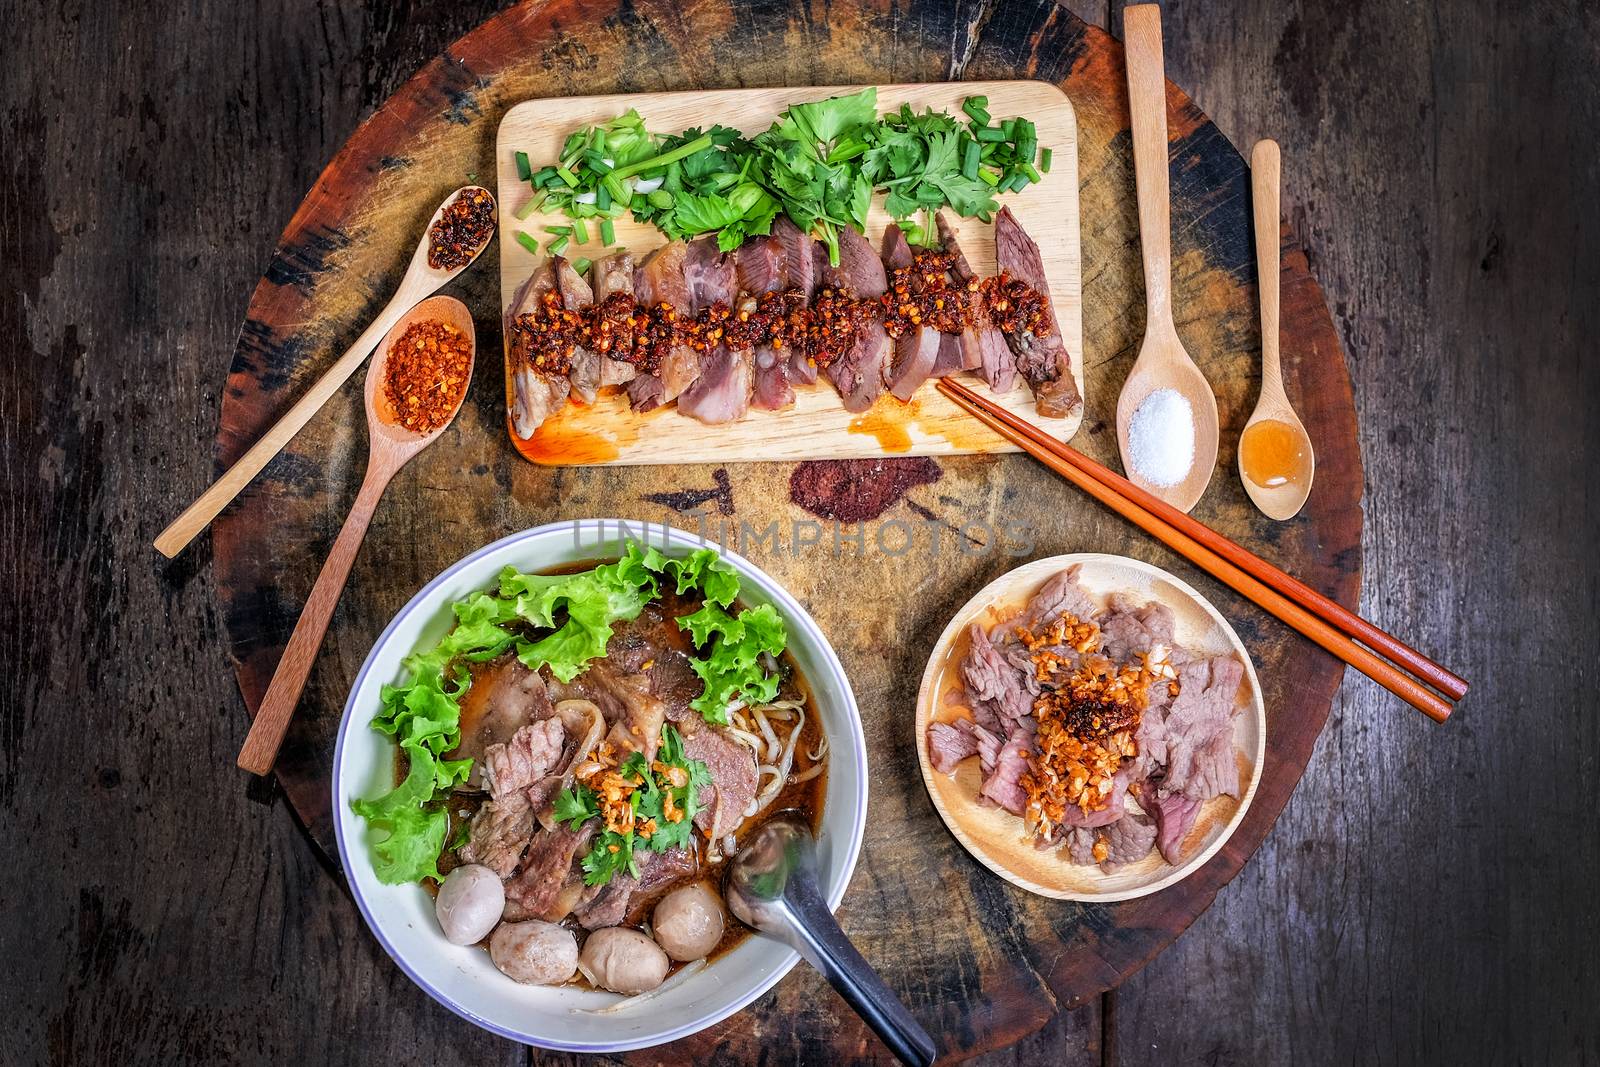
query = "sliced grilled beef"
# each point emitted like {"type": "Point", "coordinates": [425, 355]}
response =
{"type": "Point", "coordinates": [983, 347]}
{"type": "Point", "coordinates": [660, 279]}
{"type": "Point", "coordinates": [915, 351]}
{"type": "Point", "coordinates": [860, 373]}
{"type": "Point", "coordinates": [1042, 358]}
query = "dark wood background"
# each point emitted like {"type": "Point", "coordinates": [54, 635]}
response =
{"type": "Point", "coordinates": [1425, 896]}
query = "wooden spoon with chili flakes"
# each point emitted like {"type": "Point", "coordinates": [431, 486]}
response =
{"type": "Point", "coordinates": [456, 235]}
{"type": "Point", "coordinates": [414, 388]}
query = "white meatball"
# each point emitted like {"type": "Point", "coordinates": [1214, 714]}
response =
{"type": "Point", "coordinates": [623, 960]}
{"type": "Point", "coordinates": [469, 904]}
{"type": "Point", "coordinates": [534, 952]}
{"type": "Point", "coordinates": [688, 922]}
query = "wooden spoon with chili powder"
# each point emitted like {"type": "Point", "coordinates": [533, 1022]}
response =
{"type": "Point", "coordinates": [414, 388]}
{"type": "Point", "coordinates": [456, 235]}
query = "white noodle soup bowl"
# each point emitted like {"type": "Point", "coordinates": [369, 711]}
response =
{"type": "Point", "coordinates": [463, 978]}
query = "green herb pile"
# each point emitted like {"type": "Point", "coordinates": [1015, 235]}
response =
{"type": "Point", "coordinates": [562, 622]}
{"type": "Point", "coordinates": [820, 164]}
{"type": "Point", "coordinates": [667, 809]}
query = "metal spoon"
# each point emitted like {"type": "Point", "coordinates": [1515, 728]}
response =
{"type": "Point", "coordinates": [390, 447]}
{"type": "Point", "coordinates": [771, 885]}
{"type": "Point", "coordinates": [420, 280]}
{"type": "Point", "coordinates": [1163, 363]}
{"type": "Point", "coordinates": [1276, 461]}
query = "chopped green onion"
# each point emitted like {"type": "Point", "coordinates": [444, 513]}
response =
{"type": "Point", "coordinates": [1044, 161]}
{"type": "Point", "coordinates": [528, 207]}
{"type": "Point", "coordinates": [988, 177]}
{"type": "Point", "coordinates": [556, 247]}
{"type": "Point", "coordinates": [608, 232]}
{"type": "Point", "coordinates": [580, 231]}
{"type": "Point", "coordinates": [524, 168]}
{"type": "Point", "coordinates": [559, 231]}
{"type": "Point", "coordinates": [974, 108]}
{"type": "Point", "coordinates": [913, 232]}
{"type": "Point", "coordinates": [969, 161]}
{"type": "Point", "coordinates": [660, 198]}
{"type": "Point", "coordinates": [991, 133]}
{"type": "Point", "coordinates": [581, 265]}
{"type": "Point", "coordinates": [527, 242]}
{"type": "Point", "coordinates": [602, 198]}
{"type": "Point", "coordinates": [618, 192]}
{"type": "Point", "coordinates": [681, 152]}
{"type": "Point", "coordinates": [567, 177]}
{"type": "Point", "coordinates": [980, 101]}
{"type": "Point", "coordinates": [1033, 175]}
{"type": "Point", "coordinates": [598, 165]}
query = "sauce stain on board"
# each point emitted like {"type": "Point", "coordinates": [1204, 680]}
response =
{"type": "Point", "coordinates": [886, 420]}
{"type": "Point", "coordinates": [557, 443]}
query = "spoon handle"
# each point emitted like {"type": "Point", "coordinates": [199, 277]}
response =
{"type": "Point", "coordinates": [1147, 102]}
{"type": "Point", "coordinates": [819, 939]}
{"type": "Point", "coordinates": [1265, 171]}
{"type": "Point", "coordinates": [283, 692]}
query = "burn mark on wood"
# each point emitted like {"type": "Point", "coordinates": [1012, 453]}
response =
{"type": "Point", "coordinates": [301, 261]}
{"type": "Point", "coordinates": [682, 500]}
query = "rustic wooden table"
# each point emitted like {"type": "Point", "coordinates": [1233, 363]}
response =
{"type": "Point", "coordinates": [1435, 170]}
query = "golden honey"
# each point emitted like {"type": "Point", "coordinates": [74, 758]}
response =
{"type": "Point", "coordinates": [1273, 453]}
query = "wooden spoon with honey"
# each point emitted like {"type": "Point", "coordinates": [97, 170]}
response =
{"type": "Point", "coordinates": [391, 446]}
{"type": "Point", "coordinates": [1276, 462]}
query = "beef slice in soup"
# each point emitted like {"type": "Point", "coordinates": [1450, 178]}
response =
{"type": "Point", "coordinates": [505, 696]}
{"type": "Point", "coordinates": [531, 753]}
{"type": "Point", "coordinates": [635, 716]}
{"type": "Point", "coordinates": [626, 895]}
{"type": "Point", "coordinates": [733, 776]}
{"type": "Point", "coordinates": [498, 834]}
{"type": "Point", "coordinates": [537, 889]}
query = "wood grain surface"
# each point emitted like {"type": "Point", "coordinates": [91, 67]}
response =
{"type": "Point", "coordinates": [161, 910]}
{"type": "Point", "coordinates": [816, 426]}
{"type": "Point", "coordinates": [1002, 962]}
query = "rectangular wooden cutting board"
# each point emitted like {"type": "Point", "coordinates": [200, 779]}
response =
{"type": "Point", "coordinates": [817, 426]}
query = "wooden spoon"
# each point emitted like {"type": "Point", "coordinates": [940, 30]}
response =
{"type": "Point", "coordinates": [1276, 461]}
{"type": "Point", "coordinates": [1162, 362]}
{"type": "Point", "coordinates": [391, 446]}
{"type": "Point", "coordinates": [420, 281]}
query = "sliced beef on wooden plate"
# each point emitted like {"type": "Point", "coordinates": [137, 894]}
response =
{"type": "Point", "coordinates": [917, 349]}
{"type": "Point", "coordinates": [660, 279]}
{"type": "Point", "coordinates": [535, 396]}
{"type": "Point", "coordinates": [860, 373]}
{"type": "Point", "coordinates": [1042, 358]}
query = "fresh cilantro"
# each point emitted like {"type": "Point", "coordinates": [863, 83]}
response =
{"type": "Point", "coordinates": [820, 164]}
{"type": "Point", "coordinates": [576, 806]}
{"type": "Point", "coordinates": [613, 852]}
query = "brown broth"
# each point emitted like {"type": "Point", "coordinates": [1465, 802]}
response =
{"type": "Point", "coordinates": [806, 797]}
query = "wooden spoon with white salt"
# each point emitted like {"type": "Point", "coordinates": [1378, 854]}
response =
{"type": "Point", "coordinates": [1167, 414]}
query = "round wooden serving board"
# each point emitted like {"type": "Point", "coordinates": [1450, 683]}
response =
{"type": "Point", "coordinates": [980, 962]}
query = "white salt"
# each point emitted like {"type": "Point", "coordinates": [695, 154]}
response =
{"type": "Point", "coordinates": [1161, 438]}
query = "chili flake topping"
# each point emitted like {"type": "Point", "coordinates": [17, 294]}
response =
{"type": "Point", "coordinates": [464, 226]}
{"type": "Point", "coordinates": [425, 373]}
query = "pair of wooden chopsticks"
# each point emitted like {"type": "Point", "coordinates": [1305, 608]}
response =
{"type": "Point", "coordinates": [1292, 601]}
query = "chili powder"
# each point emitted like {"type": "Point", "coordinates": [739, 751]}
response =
{"type": "Point", "coordinates": [425, 374]}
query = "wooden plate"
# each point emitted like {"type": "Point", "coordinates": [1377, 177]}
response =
{"type": "Point", "coordinates": [993, 835]}
{"type": "Point", "coordinates": [816, 426]}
